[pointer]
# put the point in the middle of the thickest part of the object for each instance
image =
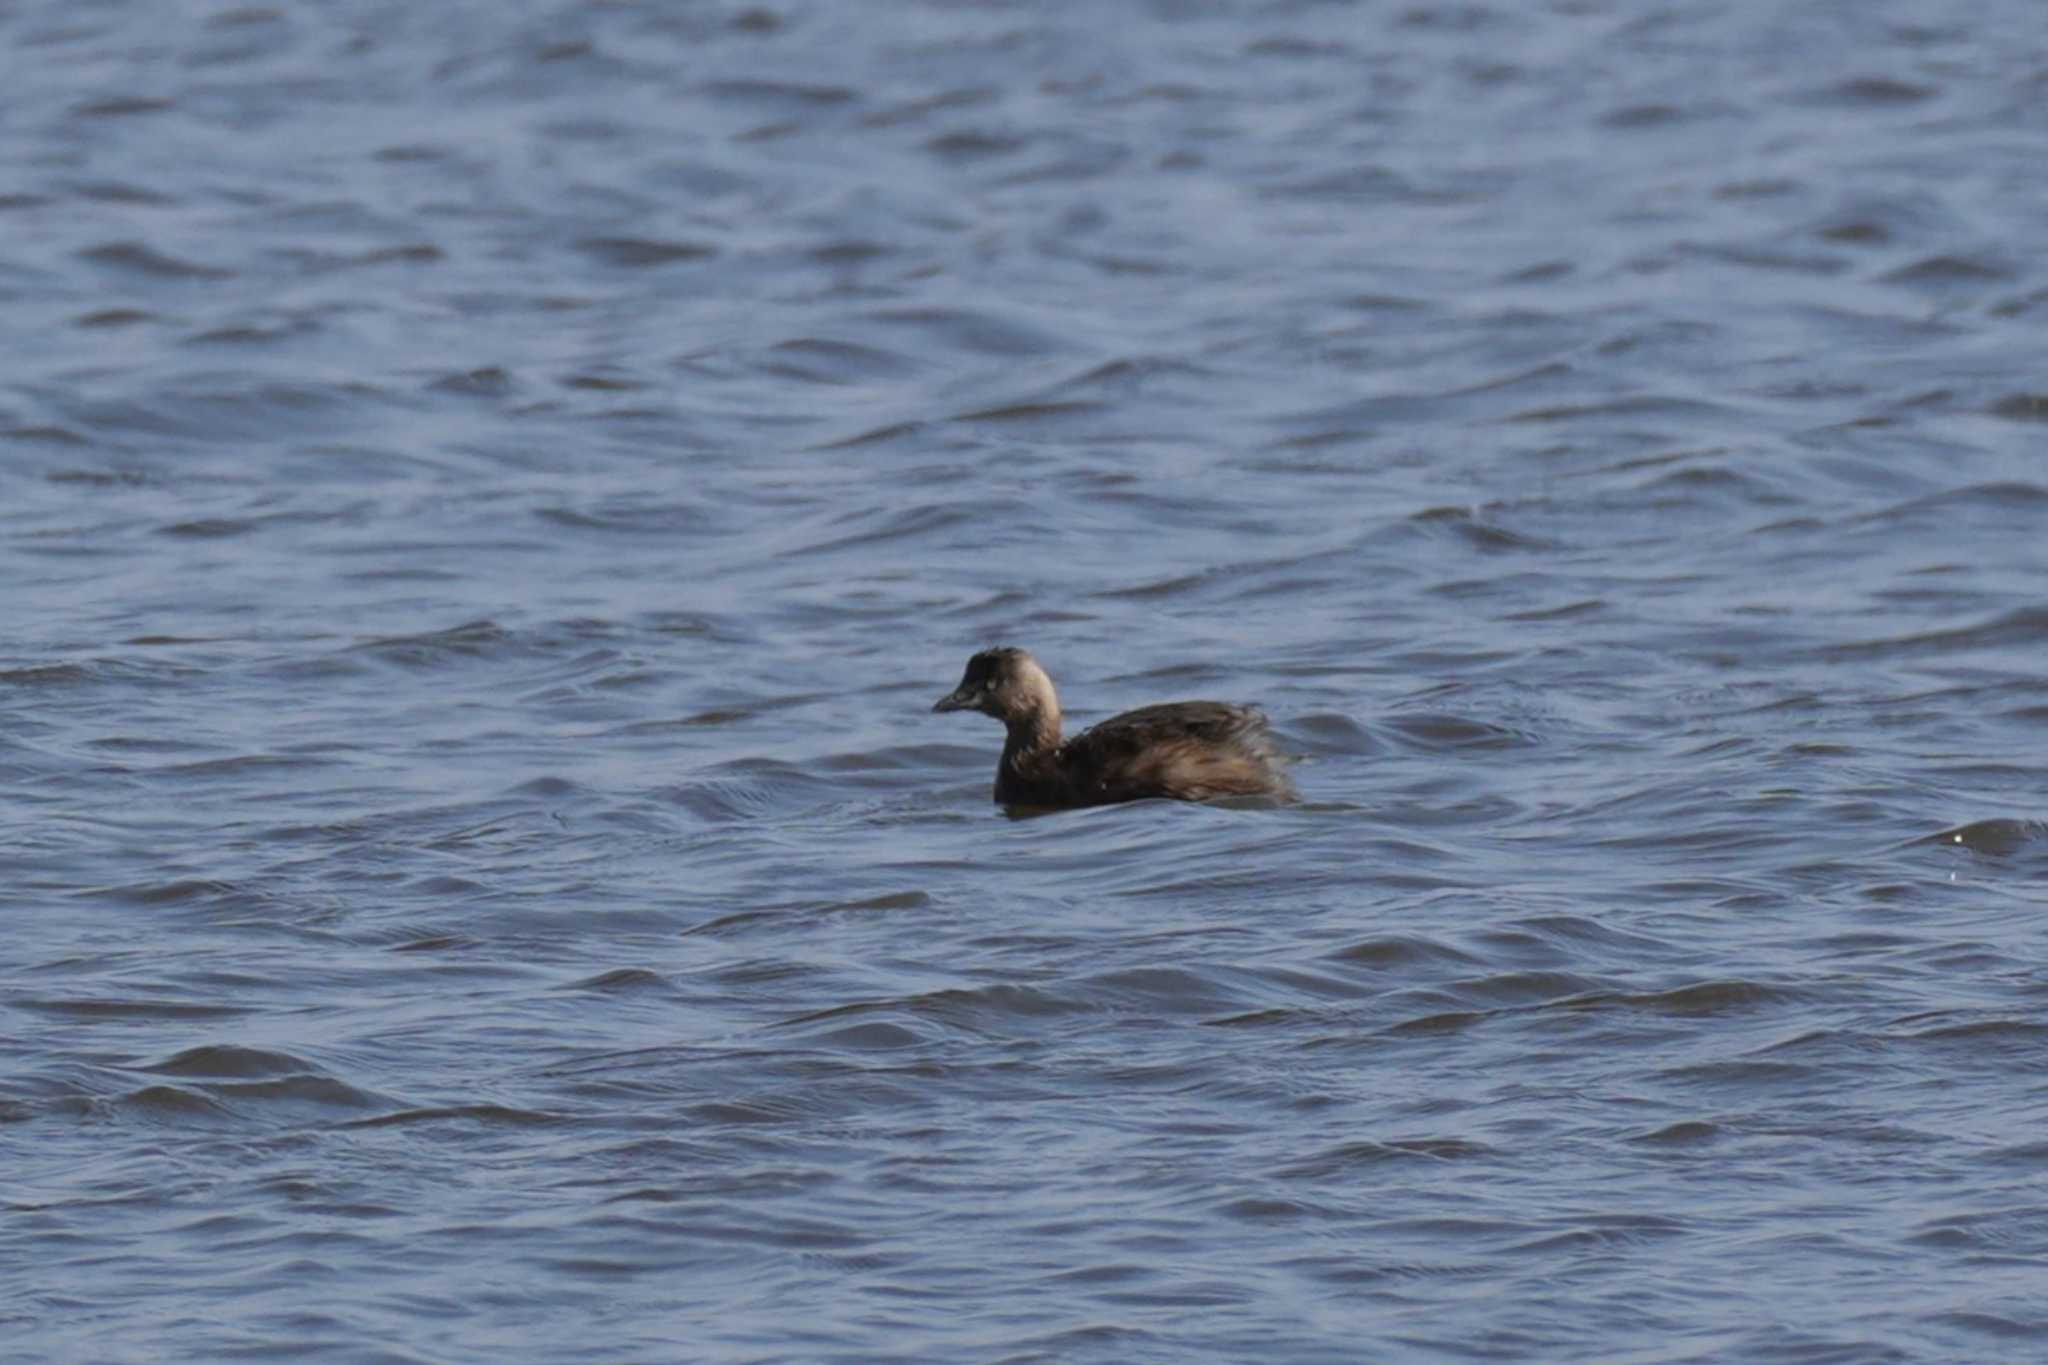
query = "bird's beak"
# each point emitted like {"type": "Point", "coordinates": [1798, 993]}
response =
{"type": "Point", "coordinates": [959, 699]}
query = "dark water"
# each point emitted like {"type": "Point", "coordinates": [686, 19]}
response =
{"type": "Point", "coordinates": [491, 491]}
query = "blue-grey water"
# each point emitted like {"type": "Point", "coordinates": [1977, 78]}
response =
{"type": "Point", "coordinates": [489, 492]}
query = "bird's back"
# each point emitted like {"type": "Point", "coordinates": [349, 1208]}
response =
{"type": "Point", "coordinates": [1187, 750]}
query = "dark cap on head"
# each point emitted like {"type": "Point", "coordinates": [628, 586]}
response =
{"type": "Point", "coordinates": [999, 682]}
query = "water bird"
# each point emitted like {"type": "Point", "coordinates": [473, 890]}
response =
{"type": "Point", "coordinates": [1182, 750]}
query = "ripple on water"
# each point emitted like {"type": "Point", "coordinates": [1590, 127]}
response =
{"type": "Point", "coordinates": [1998, 838]}
{"type": "Point", "coordinates": [230, 1060]}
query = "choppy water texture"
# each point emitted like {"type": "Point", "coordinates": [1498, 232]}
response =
{"type": "Point", "coordinates": [491, 491]}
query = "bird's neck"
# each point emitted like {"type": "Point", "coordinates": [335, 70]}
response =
{"type": "Point", "coordinates": [1034, 733]}
{"type": "Point", "coordinates": [1029, 773]}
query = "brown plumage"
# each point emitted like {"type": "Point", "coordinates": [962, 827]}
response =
{"type": "Point", "coordinates": [1185, 750]}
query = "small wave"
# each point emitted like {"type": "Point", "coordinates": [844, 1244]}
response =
{"type": "Point", "coordinates": [1693, 482]}
{"type": "Point", "coordinates": [1348, 1157]}
{"type": "Point", "coordinates": [152, 672]}
{"type": "Point", "coordinates": [49, 436]}
{"type": "Point", "coordinates": [1569, 611]}
{"type": "Point", "coordinates": [2001, 1231]}
{"type": "Point", "coordinates": [603, 381]}
{"type": "Point", "coordinates": [1998, 1325]}
{"type": "Point", "coordinates": [918, 110]}
{"type": "Point", "coordinates": [2006, 497]}
{"type": "Point", "coordinates": [114, 317]}
{"type": "Point", "coordinates": [2022, 407]}
{"type": "Point", "coordinates": [1395, 951]}
{"type": "Point", "coordinates": [1584, 933]}
{"type": "Point", "coordinates": [488, 1115]}
{"type": "Point", "coordinates": [975, 331]}
{"type": "Point", "coordinates": [1948, 271]}
{"type": "Point", "coordinates": [787, 916]}
{"type": "Point", "coordinates": [872, 1035]}
{"type": "Point", "coordinates": [1467, 525]}
{"type": "Point", "coordinates": [1174, 586]}
{"type": "Point", "coordinates": [1442, 732]}
{"type": "Point", "coordinates": [1255, 1019]}
{"type": "Point", "coordinates": [749, 788]}
{"type": "Point", "coordinates": [173, 892]}
{"type": "Point", "coordinates": [2023, 1154]}
{"type": "Point", "coordinates": [1610, 1235]}
{"type": "Point", "coordinates": [1632, 408]}
{"type": "Point", "coordinates": [441, 886]}
{"type": "Point", "coordinates": [1367, 185]}
{"type": "Point", "coordinates": [847, 252]}
{"type": "Point", "coordinates": [230, 1060]}
{"type": "Point", "coordinates": [1635, 117]}
{"type": "Point", "coordinates": [1768, 257]}
{"type": "Point", "coordinates": [971, 144]}
{"type": "Point", "coordinates": [1742, 1076]}
{"type": "Point", "coordinates": [819, 360]}
{"type": "Point", "coordinates": [140, 259]}
{"type": "Point", "coordinates": [1329, 732]}
{"type": "Point", "coordinates": [889, 431]}
{"type": "Point", "coordinates": [210, 528]}
{"type": "Point", "coordinates": [243, 764]}
{"type": "Point", "coordinates": [1030, 412]}
{"type": "Point", "coordinates": [46, 675]}
{"type": "Point", "coordinates": [982, 1004]}
{"type": "Point", "coordinates": [435, 943]}
{"type": "Point", "coordinates": [104, 1008]}
{"type": "Point", "coordinates": [1523, 987]}
{"type": "Point", "coordinates": [1997, 838]}
{"type": "Point", "coordinates": [123, 106]}
{"type": "Point", "coordinates": [894, 758]}
{"type": "Point", "coordinates": [976, 1010]}
{"type": "Point", "coordinates": [1442, 1021]}
{"type": "Point", "coordinates": [789, 95]}
{"type": "Point", "coordinates": [890, 524]}
{"type": "Point", "coordinates": [1988, 1033]}
{"type": "Point", "coordinates": [1699, 998]}
{"type": "Point", "coordinates": [2021, 626]}
{"type": "Point", "coordinates": [620, 980]}
{"type": "Point", "coordinates": [323, 1092]}
{"type": "Point", "coordinates": [642, 252]}
{"type": "Point", "coordinates": [470, 640]}
{"type": "Point", "coordinates": [1873, 92]}
{"type": "Point", "coordinates": [173, 1102]}
{"type": "Point", "coordinates": [1684, 1133]}
{"type": "Point", "coordinates": [410, 253]}
{"type": "Point", "coordinates": [1253, 1209]}
{"type": "Point", "coordinates": [488, 381]}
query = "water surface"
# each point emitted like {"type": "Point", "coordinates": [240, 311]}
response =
{"type": "Point", "coordinates": [489, 494]}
